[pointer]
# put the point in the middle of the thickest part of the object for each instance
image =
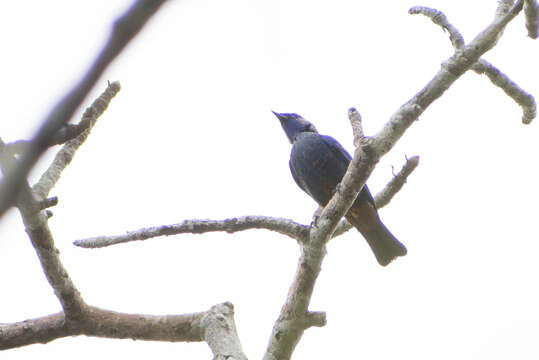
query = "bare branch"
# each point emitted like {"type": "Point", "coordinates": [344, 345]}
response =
{"type": "Point", "coordinates": [341, 228]}
{"type": "Point", "coordinates": [197, 226]}
{"type": "Point", "coordinates": [315, 318]}
{"type": "Point", "coordinates": [384, 197]}
{"type": "Point", "coordinates": [531, 11]}
{"type": "Point", "coordinates": [125, 28]}
{"type": "Point", "coordinates": [220, 332]}
{"type": "Point", "coordinates": [40, 330]}
{"type": "Point", "coordinates": [63, 158]}
{"type": "Point", "coordinates": [521, 97]}
{"type": "Point", "coordinates": [440, 19]}
{"type": "Point", "coordinates": [110, 324]}
{"type": "Point", "coordinates": [35, 222]}
{"type": "Point", "coordinates": [47, 203]}
{"type": "Point", "coordinates": [504, 6]}
{"type": "Point", "coordinates": [357, 128]}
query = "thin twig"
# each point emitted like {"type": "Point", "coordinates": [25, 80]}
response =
{"type": "Point", "coordinates": [357, 128]}
{"type": "Point", "coordinates": [440, 19]}
{"type": "Point", "coordinates": [531, 13]}
{"type": "Point", "coordinates": [384, 197]}
{"type": "Point", "coordinates": [64, 156]}
{"type": "Point", "coordinates": [47, 203]}
{"type": "Point", "coordinates": [521, 97]}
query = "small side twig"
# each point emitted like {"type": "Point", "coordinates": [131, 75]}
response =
{"type": "Point", "coordinates": [384, 197]}
{"type": "Point", "coordinates": [440, 19]}
{"type": "Point", "coordinates": [521, 97]}
{"type": "Point", "coordinates": [357, 128]}
{"type": "Point", "coordinates": [531, 12]}
{"type": "Point", "coordinates": [64, 156]}
{"type": "Point", "coordinates": [47, 203]}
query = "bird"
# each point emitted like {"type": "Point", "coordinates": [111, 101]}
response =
{"type": "Point", "coordinates": [318, 164]}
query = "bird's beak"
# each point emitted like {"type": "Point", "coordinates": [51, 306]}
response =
{"type": "Point", "coordinates": [279, 116]}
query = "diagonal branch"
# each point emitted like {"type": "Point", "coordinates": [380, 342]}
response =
{"type": "Point", "coordinates": [498, 78]}
{"type": "Point", "coordinates": [385, 195]}
{"type": "Point", "coordinates": [196, 226]}
{"type": "Point", "coordinates": [63, 158]}
{"type": "Point", "coordinates": [124, 30]}
{"type": "Point", "coordinates": [35, 222]}
{"type": "Point", "coordinates": [289, 327]}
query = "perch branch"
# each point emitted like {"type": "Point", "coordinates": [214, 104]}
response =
{"type": "Point", "coordinates": [282, 226]}
{"type": "Point", "coordinates": [286, 227]}
{"type": "Point", "coordinates": [63, 158]}
{"type": "Point", "coordinates": [125, 28]}
{"type": "Point", "coordinates": [289, 326]}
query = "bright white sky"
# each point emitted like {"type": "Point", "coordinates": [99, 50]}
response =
{"type": "Point", "coordinates": [191, 135]}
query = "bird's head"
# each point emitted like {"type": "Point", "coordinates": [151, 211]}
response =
{"type": "Point", "coordinates": [293, 125]}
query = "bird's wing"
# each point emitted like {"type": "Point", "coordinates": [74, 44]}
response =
{"type": "Point", "coordinates": [336, 148]}
{"type": "Point", "coordinates": [297, 179]}
{"type": "Point", "coordinates": [343, 155]}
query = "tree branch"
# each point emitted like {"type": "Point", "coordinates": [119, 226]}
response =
{"type": "Point", "coordinates": [33, 331]}
{"type": "Point", "coordinates": [384, 197]}
{"type": "Point", "coordinates": [531, 12]}
{"type": "Point", "coordinates": [125, 28]}
{"type": "Point", "coordinates": [498, 78]}
{"type": "Point", "coordinates": [220, 332]}
{"type": "Point", "coordinates": [35, 222]}
{"type": "Point", "coordinates": [110, 324]}
{"type": "Point", "coordinates": [440, 19]}
{"type": "Point", "coordinates": [196, 226]}
{"type": "Point", "coordinates": [64, 157]}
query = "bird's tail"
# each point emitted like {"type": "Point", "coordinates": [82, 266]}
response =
{"type": "Point", "coordinates": [383, 244]}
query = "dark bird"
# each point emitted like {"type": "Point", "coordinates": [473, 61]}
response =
{"type": "Point", "coordinates": [318, 164]}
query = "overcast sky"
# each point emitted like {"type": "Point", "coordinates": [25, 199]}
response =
{"type": "Point", "coordinates": [191, 135]}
